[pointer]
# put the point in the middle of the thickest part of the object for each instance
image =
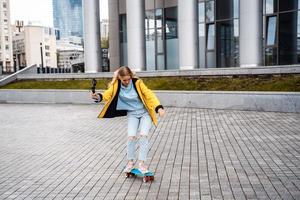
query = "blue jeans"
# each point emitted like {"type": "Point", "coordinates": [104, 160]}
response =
{"type": "Point", "coordinates": [138, 120]}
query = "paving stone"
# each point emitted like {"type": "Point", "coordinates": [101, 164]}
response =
{"type": "Point", "coordinates": [65, 152]}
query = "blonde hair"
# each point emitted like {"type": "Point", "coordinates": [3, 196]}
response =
{"type": "Point", "coordinates": [122, 71]}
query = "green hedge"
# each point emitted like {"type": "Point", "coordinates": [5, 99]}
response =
{"type": "Point", "coordinates": [247, 83]}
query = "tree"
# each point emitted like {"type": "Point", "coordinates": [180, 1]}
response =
{"type": "Point", "coordinates": [104, 43]}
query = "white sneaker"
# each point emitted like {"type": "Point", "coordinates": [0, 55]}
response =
{"type": "Point", "coordinates": [128, 167]}
{"type": "Point", "coordinates": [143, 168]}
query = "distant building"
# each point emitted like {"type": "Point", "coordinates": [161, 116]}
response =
{"type": "Point", "coordinates": [69, 52]}
{"type": "Point", "coordinates": [104, 28]}
{"type": "Point", "coordinates": [34, 45]}
{"type": "Point", "coordinates": [68, 18]}
{"type": "Point", "coordinates": [6, 52]}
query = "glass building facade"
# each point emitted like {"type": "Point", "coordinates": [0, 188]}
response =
{"type": "Point", "coordinates": [68, 17]}
{"type": "Point", "coordinates": [281, 32]}
{"type": "Point", "coordinates": [219, 42]}
{"type": "Point", "coordinates": [218, 30]}
{"type": "Point", "coordinates": [161, 39]}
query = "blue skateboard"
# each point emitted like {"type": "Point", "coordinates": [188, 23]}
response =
{"type": "Point", "coordinates": [149, 176]}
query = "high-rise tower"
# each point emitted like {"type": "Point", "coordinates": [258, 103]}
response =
{"type": "Point", "coordinates": [68, 17]}
{"type": "Point", "coordinates": [6, 55]}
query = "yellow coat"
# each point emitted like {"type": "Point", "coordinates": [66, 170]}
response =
{"type": "Point", "coordinates": [110, 96]}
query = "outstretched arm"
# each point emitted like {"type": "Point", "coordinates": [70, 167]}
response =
{"type": "Point", "coordinates": [151, 97]}
{"type": "Point", "coordinates": [106, 95]}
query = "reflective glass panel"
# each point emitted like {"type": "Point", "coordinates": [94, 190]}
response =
{"type": "Point", "coordinates": [172, 53]}
{"type": "Point", "coordinates": [271, 6]}
{"type": "Point", "coordinates": [224, 9]}
{"type": "Point", "coordinates": [149, 19]}
{"type": "Point", "coordinates": [210, 37]}
{"type": "Point", "coordinates": [158, 16]}
{"type": "Point", "coordinates": [150, 55]}
{"type": "Point", "coordinates": [123, 31]}
{"type": "Point", "coordinates": [271, 56]}
{"type": "Point", "coordinates": [288, 38]}
{"type": "Point", "coordinates": [201, 12]}
{"type": "Point", "coordinates": [298, 38]}
{"type": "Point", "coordinates": [286, 5]}
{"type": "Point", "coordinates": [211, 59]}
{"type": "Point", "coordinates": [236, 8]}
{"type": "Point", "coordinates": [171, 22]}
{"type": "Point", "coordinates": [160, 62]}
{"type": "Point", "coordinates": [171, 40]}
{"type": "Point", "coordinates": [226, 47]}
{"type": "Point", "coordinates": [202, 45]}
{"type": "Point", "coordinates": [160, 44]}
{"type": "Point", "coordinates": [210, 11]}
{"type": "Point", "coordinates": [123, 51]}
{"type": "Point", "coordinates": [271, 30]}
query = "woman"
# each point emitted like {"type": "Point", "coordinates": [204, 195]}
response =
{"type": "Point", "coordinates": [128, 95]}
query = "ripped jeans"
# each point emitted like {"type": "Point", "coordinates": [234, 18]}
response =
{"type": "Point", "coordinates": [138, 120]}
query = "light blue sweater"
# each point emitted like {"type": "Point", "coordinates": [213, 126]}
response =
{"type": "Point", "coordinates": [128, 98]}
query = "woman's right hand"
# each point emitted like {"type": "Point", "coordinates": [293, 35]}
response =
{"type": "Point", "coordinates": [95, 96]}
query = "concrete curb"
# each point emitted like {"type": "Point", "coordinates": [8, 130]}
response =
{"type": "Point", "coordinates": [270, 70]}
{"type": "Point", "coordinates": [255, 101]}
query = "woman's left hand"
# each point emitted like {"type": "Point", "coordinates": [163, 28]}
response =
{"type": "Point", "coordinates": [161, 112]}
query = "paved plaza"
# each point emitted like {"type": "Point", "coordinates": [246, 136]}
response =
{"type": "Point", "coordinates": [64, 152]}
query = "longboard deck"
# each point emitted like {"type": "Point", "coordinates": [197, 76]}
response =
{"type": "Point", "coordinates": [149, 176]}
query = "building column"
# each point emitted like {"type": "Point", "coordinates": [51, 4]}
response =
{"type": "Point", "coordinates": [187, 33]}
{"type": "Point", "coordinates": [114, 34]}
{"type": "Point", "coordinates": [92, 48]}
{"type": "Point", "coordinates": [251, 39]}
{"type": "Point", "coordinates": [135, 10]}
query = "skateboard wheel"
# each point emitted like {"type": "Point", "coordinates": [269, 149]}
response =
{"type": "Point", "coordinates": [145, 179]}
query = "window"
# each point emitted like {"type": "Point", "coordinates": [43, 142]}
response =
{"type": "Point", "coordinates": [210, 37]}
{"type": "Point", "coordinates": [47, 54]}
{"type": "Point", "coordinates": [171, 35]}
{"type": "Point", "coordinates": [123, 30]}
{"type": "Point", "coordinates": [123, 40]}
{"type": "Point", "coordinates": [171, 23]}
{"type": "Point", "coordinates": [4, 5]}
{"type": "Point", "coordinates": [201, 31]}
{"type": "Point", "coordinates": [201, 12]}
{"type": "Point", "coordinates": [47, 47]}
{"type": "Point", "coordinates": [271, 30]}
{"type": "Point", "coordinates": [225, 44]}
{"type": "Point", "coordinates": [6, 38]}
{"type": "Point", "coordinates": [298, 38]}
{"type": "Point", "coordinates": [286, 5]}
{"type": "Point", "coordinates": [210, 11]}
{"type": "Point", "coordinates": [218, 33]}
{"type": "Point", "coordinates": [158, 17]}
{"type": "Point", "coordinates": [271, 6]}
{"type": "Point", "coordinates": [271, 56]}
{"type": "Point", "coordinates": [6, 47]}
{"type": "Point", "coordinates": [282, 27]}
{"type": "Point", "coordinates": [224, 9]}
{"type": "Point", "coordinates": [150, 26]}
{"type": "Point", "coordinates": [288, 38]}
{"type": "Point", "coordinates": [150, 39]}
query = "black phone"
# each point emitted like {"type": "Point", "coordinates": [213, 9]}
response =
{"type": "Point", "coordinates": [94, 83]}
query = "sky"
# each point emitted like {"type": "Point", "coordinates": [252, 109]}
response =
{"type": "Point", "coordinates": [40, 11]}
